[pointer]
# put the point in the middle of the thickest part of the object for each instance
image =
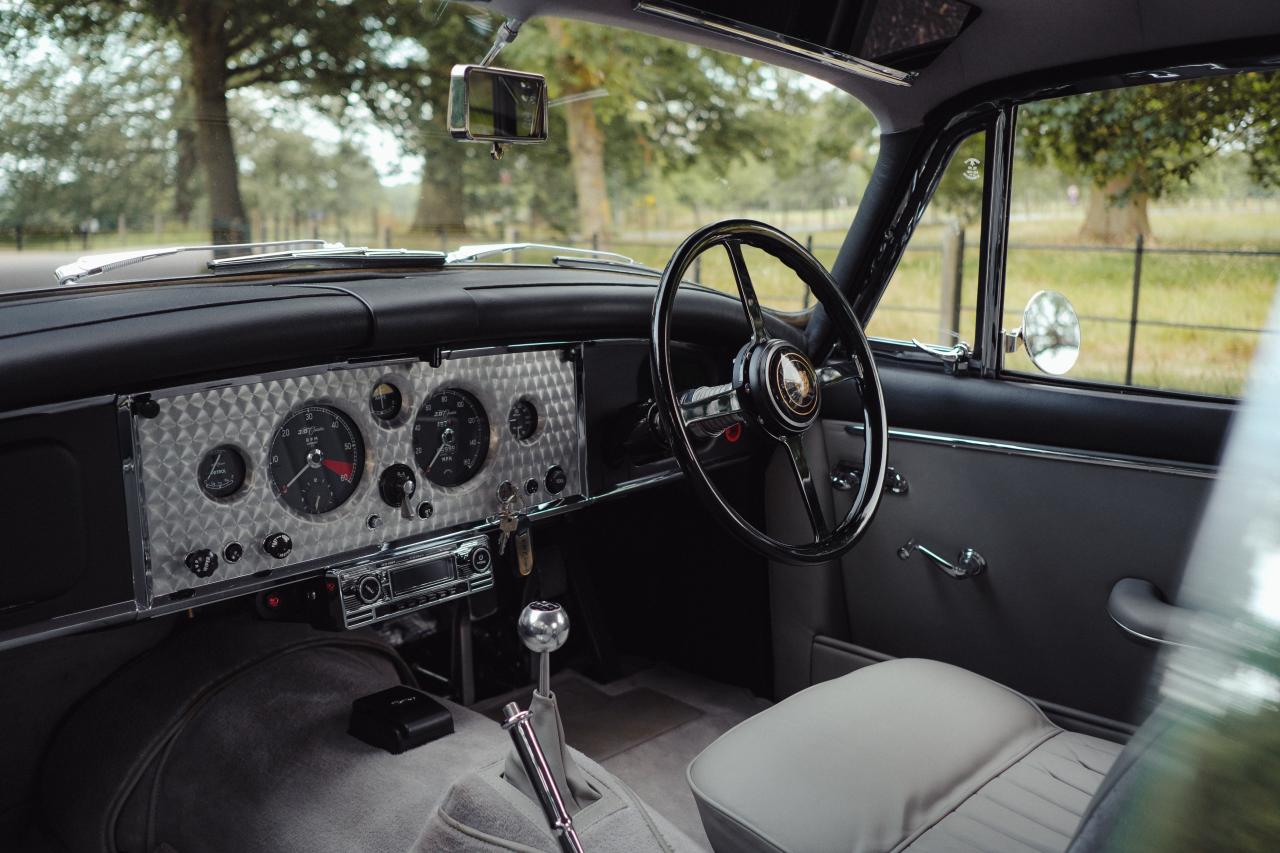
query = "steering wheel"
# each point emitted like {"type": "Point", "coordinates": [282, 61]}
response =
{"type": "Point", "coordinates": [775, 388]}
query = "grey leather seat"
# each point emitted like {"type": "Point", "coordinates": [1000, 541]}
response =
{"type": "Point", "coordinates": [903, 755]}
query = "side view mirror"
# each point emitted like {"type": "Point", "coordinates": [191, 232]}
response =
{"type": "Point", "coordinates": [1050, 332]}
{"type": "Point", "coordinates": [497, 105]}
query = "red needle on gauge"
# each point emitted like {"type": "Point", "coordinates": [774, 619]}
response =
{"type": "Point", "coordinates": [342, 469]}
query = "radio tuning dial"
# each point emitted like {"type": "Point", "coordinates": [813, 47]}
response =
{"type": "Point", "coordinates": [368, 589]}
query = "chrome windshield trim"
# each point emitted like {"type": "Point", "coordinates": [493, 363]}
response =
{"type": "Point", "coordinates": [107, 261]}
{"type": "Point", "coordinates": [479, 250]}
{"type": "Point", "coordinates": [1136, 463]}
{"type": "Point", "coordinates": [754, 35]}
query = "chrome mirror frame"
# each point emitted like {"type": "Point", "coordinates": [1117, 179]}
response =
{"type": "Point", "coordinates": [1050, 333]}
{"type": "Point", "coordinates": [460, 106]}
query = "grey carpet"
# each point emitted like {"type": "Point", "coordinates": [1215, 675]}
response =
{"type": "Point", "coordinates": [646, 729]}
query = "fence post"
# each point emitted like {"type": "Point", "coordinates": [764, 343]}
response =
{"type": "Point", "coordinates": [808, 294]}
{"type": "Point", "coordinates": [952, 286]}
{"type": "Point", "coordinates": [444, 238]}
{"type": "Point", "coordinates": [1133, 311]}
{"type": "Point", "coordinates": [17, 236]}
{"type": "Point", "coordinates": [697, 269]}
{"type": "Point", "coordinates": [386, 236]}
{"type": "Point", "coordinates": [595, 241]}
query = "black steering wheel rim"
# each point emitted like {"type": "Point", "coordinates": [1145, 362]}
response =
{"type": "Point", "coordinates": [755, 369]}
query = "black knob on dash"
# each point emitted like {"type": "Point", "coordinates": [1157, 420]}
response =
{"type": "Point", "coordinates": [278, 545]}
{"type": "Point", "coordinates": [202, 562]}
{"type": "Point", "coordinates": [556, 480]}
{"type": "Point", "coordinates": [368, 589]}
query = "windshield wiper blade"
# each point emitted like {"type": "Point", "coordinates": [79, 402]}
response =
{"type": "Point", "coordinates": [331, 257]}
{"type": "Point", "coordinates": [107, 261]}
{"type": "Point", "coordinates": [479, 250]}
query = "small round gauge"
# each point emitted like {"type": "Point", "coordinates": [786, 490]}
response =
{"type": "Point", "coordinates": [450, 437]}
{"type": "Point", "coordinates": [385, 401]}
{"type": "Point", "coordinates": [522, 420]}
{"type": "Point", "coordinates": [315, 459]}
{"type": "Point", "coordinates": [221, 472]}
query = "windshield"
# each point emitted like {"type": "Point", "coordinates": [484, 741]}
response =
{"type": "Point", "coordinates": [161, 124]}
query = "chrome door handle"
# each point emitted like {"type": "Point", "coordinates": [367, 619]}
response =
{"type": "Point", "coordinates": [968, 564]}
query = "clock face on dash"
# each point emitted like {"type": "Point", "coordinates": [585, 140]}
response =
{"type": "Point", "coordinates": [450, 437]}
{"type": "Point", "coordinates": [315, 460]}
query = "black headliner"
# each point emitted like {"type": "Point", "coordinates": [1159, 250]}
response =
{"type": "Point", "coordinates": [1011, 38]}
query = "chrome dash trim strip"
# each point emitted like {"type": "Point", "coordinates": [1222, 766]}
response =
{"type": "Point", "coordinates": [1136, 463]}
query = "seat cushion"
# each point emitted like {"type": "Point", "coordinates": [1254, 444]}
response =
{"type": "Point", "coordinates": [905, 753]}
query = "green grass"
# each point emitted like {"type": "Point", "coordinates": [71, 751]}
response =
{"type": "Point", "coordinates": [1212, 290]}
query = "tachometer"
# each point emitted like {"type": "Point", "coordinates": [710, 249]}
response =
{"type": "Point", "coordinates": [315, 459]}
{"type": "Point", "coordinates": [450, 437]}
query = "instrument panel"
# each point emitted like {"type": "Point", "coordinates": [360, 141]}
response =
{"type": "Point", "coordinates": [274, 475]}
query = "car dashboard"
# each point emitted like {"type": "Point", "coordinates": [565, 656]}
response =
{"type": "Point", "coordinates": [372, 484]}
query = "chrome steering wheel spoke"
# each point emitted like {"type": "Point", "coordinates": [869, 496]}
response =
{"type": "Point", "coordinates": [747, 292]}
{"type": "Point", "coordinates": [808, 490]}
{"type": "Point", "coordinates": [840, 370]}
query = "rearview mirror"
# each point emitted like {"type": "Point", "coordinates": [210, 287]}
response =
{"type": "Point", "coordinates": [1050, 332]}
{"type": "Point", "coordinates": [497, 105]}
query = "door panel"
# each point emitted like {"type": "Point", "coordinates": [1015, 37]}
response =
{"type": "Point", "coordinates": [1056, 534]}
{"type": "Point", "coordinates": [1083, 489]}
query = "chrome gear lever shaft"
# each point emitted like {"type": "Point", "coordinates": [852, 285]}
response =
{"type": "Point", "coordinates": [543, 627]}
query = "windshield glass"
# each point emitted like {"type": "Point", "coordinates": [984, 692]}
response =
{"type": "Point", "coordinates": [160, 124]}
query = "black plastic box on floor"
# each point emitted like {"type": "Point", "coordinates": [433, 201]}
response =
{"type": "Point", "coordinates": [398, 719]}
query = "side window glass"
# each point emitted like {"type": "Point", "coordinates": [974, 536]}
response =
{"type": "Point", "coordinates": [1154, 210]}
{"type": "Point", "coordinates": [933, 294]}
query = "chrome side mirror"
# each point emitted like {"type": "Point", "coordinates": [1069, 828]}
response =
{"type": "Point", "coordinates": [1050, 332]}
{"type": "Point", "coordinates": [497, 105]}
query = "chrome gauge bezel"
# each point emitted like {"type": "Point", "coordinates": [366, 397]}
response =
{"type": "Point", "coordinates": [250, 472]}
{"type": "Point", "coordinates": [366, 466]}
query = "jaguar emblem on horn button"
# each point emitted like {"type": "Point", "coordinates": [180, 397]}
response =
{"type": "Point", "coordinates": [796, 384]}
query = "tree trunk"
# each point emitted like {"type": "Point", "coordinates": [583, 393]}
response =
{"type": "Point", "coordinates": [184, 178]}
{"type": "Point", "coordinates": [586, 142]}
{"type": "Point", "coordinates": [1110, 221]}
{"type": "Point", "coordinates": [586, 152]}
{"type": "Point", "coordinates": [442, 201]}
{"type": "Point", "coordinates": [207, 48]}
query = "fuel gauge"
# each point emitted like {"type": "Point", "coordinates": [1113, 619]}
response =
{"type": "Point", "coordinates": [385, 401]}
{"type": "Point", "coordinates": [221, 472]}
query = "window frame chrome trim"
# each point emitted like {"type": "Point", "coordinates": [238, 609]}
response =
{"type": "Point", "coordinates": [1052, 454]}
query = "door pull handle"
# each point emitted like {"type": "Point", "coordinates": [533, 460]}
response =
{"type": "Point", "coordinates": [969, 563]}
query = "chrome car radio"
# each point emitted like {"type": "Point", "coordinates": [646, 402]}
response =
{"type": "Point", "coordinates": [382, 588]}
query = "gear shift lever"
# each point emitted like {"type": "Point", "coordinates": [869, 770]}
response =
{"type": "Point", "coordinates": [543, 628]}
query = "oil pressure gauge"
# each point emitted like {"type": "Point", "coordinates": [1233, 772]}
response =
{"type": "Point", "coordinates": [522, 420]}
{"type": "Point", "coordinates": [221, 472]}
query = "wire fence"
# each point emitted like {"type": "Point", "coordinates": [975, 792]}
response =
{"type": "Point", "coordinates": [955, 286]}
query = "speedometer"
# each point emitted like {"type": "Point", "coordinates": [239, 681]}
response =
{"type": "Point", "coordinates": [450, 437]}
{"type": "Point", "coordinates": [315, 459]}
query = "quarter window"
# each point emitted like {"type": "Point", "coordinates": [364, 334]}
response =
{"type": "Point", "coordinates": [933, 293]}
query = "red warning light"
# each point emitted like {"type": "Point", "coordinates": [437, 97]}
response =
{"type": "Point", "coordinates": [331, 586]}
{"type": "Point", "coordinates": [733, 433]}
{"type": "Point", "coordinates": [273, 601]}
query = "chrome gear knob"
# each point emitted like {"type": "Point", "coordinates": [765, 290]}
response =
{"type": "Point", "coordinates": [543, 627]}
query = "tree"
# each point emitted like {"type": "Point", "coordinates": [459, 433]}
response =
{"type": "Point", "coordinates": [319, 47]}
{"type": "Point", "coordinates": [637, 106]}
{"type": "Point", "coordinates": [84, 137]}
{"type": "Point", "coordinates": [1136, 144]}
